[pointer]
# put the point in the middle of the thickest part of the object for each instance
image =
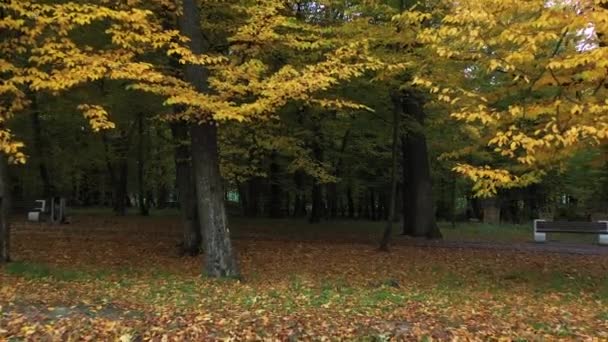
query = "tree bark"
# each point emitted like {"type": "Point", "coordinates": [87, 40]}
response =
{"type": "Point", "coordinates": [276, 193]}
{"type": "Point", "coordinates": [406, 193]}
{"type": "Point", "coordinates": [143, 207]}
{"type": "Point", "coordinates": [220, 259]}
{"type": "Point", "coordinates": [420, 199]}
{"type": "Point", "coordinates": [118, 178]}
{"type": "Point", "coordinates": [299, 206]}
{"type": "Point", "coordinates": [372, 205]}
{"type": "Point", "coordinates": [388, 231]}
{"type": "Point", "coordinates": [253, 197]}
{"type": "Point", "coordinates": [317, 190]}
{"type": "Point", "coordinates": [120, 189]}
{"type": "Point", "coordinates": [40, 149]}
{"type": "Point", "coordinates": [4, 211]}
{"type": "Point", "coordinates": [351, 203]}
{"type": "Point", "coordinates": [192, 239]}
{"type": "Point", "coordinates": [317, 203]}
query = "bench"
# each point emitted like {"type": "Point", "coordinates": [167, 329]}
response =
{"type": "Point", "coordinates": [52, 210]}
{"type": "Point", "coordinates": [39, 209]}
{"type": "Point", "coordinates": [599, 228]}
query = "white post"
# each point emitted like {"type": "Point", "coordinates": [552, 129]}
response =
{"type": "Point", "coordinates": [539, 237]}
{"type": "Point", "coordinates": [603, 238]}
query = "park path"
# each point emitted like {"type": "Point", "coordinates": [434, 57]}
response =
{"type": "Point", "coordinates": [547, 247]}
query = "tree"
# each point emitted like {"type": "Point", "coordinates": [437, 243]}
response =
{"type": "Point", "coordinates": [526, 78]}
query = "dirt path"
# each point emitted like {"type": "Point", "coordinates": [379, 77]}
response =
{"type": "Point", "coordinates": [547, 247]}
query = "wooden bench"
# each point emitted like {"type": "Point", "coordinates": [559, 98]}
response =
{"type": "Point", "coordinates": [542, 227]}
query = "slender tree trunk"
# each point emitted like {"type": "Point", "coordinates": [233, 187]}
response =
{"type": "Point", "coordinates": [406, 193]}
{"type": "Point", "coordinates": [351, 203]}
{"type": "Point", "coordinates": [453, 201]}
{"type": "Point", "coordinates": [299, 206]}
{"type": "Point", "coordinates": [243, 199]}
{"type": "Point", "coordinates": [4, 211]}
{"type": "Point", "coordinates": [143, 207]}
{"type": "Point", "coordinates": [388, 230]}
{"type": "Point", "coordinates": [220, 260]}
{"type": "Point", "coordinates": [276, 193]}
{"type": "Point", "coordinates": [422, 211]}
{"type": "Point", "coordinates": [317, 190]}
{"type": "Point", "coordinates": [332, 200]}
{"type": "Point", "coordinates": [185, 191]}
{"type": "Point", "coordinates": [120, 188]}
{"type": "Point", "coordinates": [317, 203]}
{"type": "Point", "coordinates": [40, 150]}
{"type": "Point", "coordinates": [372, 205]}
{"type": "Point", "coordinates": [253, 196]}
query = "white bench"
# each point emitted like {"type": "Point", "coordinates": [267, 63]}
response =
{"type": "Point", "coordinates": [599, 228]}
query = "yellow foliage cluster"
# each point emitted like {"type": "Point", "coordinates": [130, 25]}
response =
{"type": "Point", "coordinates": [530, 75]}
{"type": "Point", "coordinates": [40, 54]}
{"type": "Point", "coordinates": [97, 116]}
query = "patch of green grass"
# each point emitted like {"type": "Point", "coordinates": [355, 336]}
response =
{"type": "Point", "coordinates": [449, 281]}
{"type": "Point", "coordinates": [41, 271]}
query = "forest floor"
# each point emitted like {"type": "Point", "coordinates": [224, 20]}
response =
{"type": "Point", "coordinates": [108, 278]}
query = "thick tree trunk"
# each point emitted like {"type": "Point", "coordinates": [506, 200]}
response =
{"type": "Point", "coordinates": [422, 221]}
{"type": "Point", "coordinates": [192, 239]}
{"type": "Point", "coordinates": [4, 211]}
{"type": "Point", "coordinates": [143, 207]}
{"type": "Point", "coordinates": [220, 259]}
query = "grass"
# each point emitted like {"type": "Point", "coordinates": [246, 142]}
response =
{"type": "Point", "coordinates": [42, 271]}
{"type": "Point", "coordinates": [289, 228]}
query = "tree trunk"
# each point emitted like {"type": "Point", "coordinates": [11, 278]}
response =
{"type": "Point", "coordinates": [120, 189]}
{"type": "Point", "coordinates": [372, 205]}
{"type": "Point", "coordinates": [453, 201]}
{"type": "Point", "coordinates": [220, 258]}
{"type": "Point", "coordinates": [276, 193]}
{"type": "Point", "coordinates": [421, 205]}
{"type": "Point", "coordinates": [118, 178]}
{"type": "Point", "coordinates": [406, 193]}
{"type": "Point", "coordinates": [185, 191]}
{"type": "Point", "coordinates": [253, 197]}
{"type": "Point", "coordinates": [351, 203]}
{"type": "Point", "coordinates": [317, 191]}
{"type": "Point", "coordinates": [332, 200]}
{"type": "Point", "coordinates": [299, 206]}
{"type": "Point", "coordinates": [143, 207]}
{"type": "Point", "coordinates": [388, 231]}
{"type": "Point", "coordinates": [317, 203]}
{"type": "Point", "coordinates": [4, 211]}
{"type": "Point", "coordinates": [40, 150]}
